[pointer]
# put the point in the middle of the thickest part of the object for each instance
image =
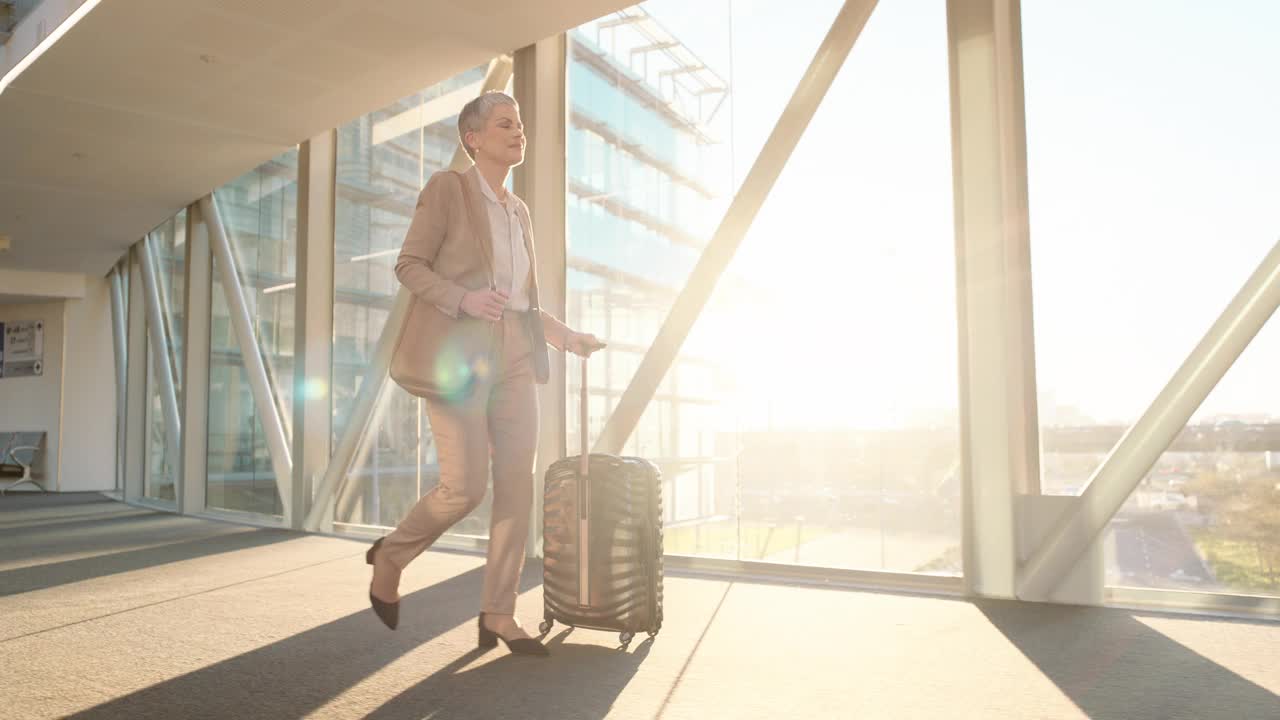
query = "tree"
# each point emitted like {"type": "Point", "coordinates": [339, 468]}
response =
{"type": "Point", "coordinates": [1246, 510]}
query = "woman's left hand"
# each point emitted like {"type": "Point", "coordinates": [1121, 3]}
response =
{"type": "Point", "coordinates": [583, 344]}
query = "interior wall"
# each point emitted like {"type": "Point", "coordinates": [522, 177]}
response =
{"type": "Point", "coordinates": [89, 392]}
{"type": "Point", "coordinates": [30, 404]}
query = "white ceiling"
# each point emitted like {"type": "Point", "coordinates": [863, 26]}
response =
{"type": "Point", "coordinates": [145, 105]}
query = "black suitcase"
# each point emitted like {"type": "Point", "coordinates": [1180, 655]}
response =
{"type": "Point", "coordinates": [614, 580]}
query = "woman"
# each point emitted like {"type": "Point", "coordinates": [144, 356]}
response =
{"type": "Point", "coordinates": [445, 264]}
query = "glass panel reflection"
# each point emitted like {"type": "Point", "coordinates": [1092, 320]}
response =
{"type": "Point", "coordinates": [259, 211]}
{"type": "Point", "coordinates": [169, 245]}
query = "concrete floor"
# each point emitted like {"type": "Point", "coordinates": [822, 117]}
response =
{"type": "Point", "coordinates": [108, 611]}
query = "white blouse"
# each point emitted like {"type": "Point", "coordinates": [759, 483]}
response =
{"type": "Point", "coordinates": [510, 257]}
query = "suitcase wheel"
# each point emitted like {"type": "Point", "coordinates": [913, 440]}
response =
{"type": "Point", "coordinates": [625, 638]}
{"type": "Point", "coordinates": [546, 625]}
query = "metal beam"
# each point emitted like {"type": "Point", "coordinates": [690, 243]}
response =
{"type": "Point", "coordinates": [540, 88]}
{"type": "Point", "coordinates": [620, 22]}
{"type": "Point", "coordinates": [284, 408]}
{"type": "Point", "coordinates": [321, 513]}
{"type": "Point", "coordinates": [158, 336]}
{"type": "Point", "coordinates": [715, 257]}
{"type": "Point", "coordinates": [1025, 445]}
{"type": "Point", "coordinates": [254, 366]}
{"type": "Point", "coordinates": [999, 426]}
{"type": "Point", "coordinates": [1142, 445]}
{"type": "Point", "coordinates": [313, 340]}
{"type": "Point", "coordinates": [654, 47]}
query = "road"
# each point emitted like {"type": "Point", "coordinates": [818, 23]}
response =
{"type": "Point", "coordinates": [1153, 550]}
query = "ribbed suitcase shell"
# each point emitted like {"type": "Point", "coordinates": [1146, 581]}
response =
{"type": "Point", "coordinates": [624, 560]}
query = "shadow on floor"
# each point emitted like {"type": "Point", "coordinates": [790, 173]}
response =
{"type": "Point", "coordinates": [98, 531]}
{"type": "Point", "coordinates": [13, 502]}
{"type": "Point", "coordinates": [51, 512]}
{"type": "Point", "coordinates": [18, 524]}
{"type": "Point", "coordinates": [1112, 665]}
{"type": "Point", "coordinates": [40, 577]}
{"type": "Point", "coordinates": [577, 681]}
{"type": "Point", "coordinates": [296, 676]}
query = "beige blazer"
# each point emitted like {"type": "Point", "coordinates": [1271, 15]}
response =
{"type": "Point", "coordinates": [448, 251]}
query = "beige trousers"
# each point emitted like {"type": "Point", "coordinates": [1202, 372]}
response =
{"type": "Point", "coordinates": [499, 420]}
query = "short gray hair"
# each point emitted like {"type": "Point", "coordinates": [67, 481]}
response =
{"type": "Point", "coordinates": [476, 113]}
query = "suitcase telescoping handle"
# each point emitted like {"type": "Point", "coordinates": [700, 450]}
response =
{"type": "Point", "coordinates": [582, 425]}
{"type": "Point", "coordinates": [584, 498]}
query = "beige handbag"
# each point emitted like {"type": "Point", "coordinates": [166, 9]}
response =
{"type": "Point", "coordinates": [439, 357]}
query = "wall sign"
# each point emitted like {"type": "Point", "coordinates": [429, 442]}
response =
{"type": "Point", "coordinates": [21, 349]}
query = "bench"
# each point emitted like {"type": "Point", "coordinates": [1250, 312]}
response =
{"type": "Point", "coordinates": [13, 447]}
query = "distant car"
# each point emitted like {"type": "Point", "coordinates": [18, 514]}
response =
{"type": "Point", "coordinates": [1170, 501]}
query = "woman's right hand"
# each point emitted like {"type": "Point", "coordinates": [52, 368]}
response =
{"type": "Point", "coordinates": [484, 304]}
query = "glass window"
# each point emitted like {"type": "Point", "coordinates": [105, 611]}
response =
{"type": "Point", "coordinates": [820, 382]}
{"type": "Point", "coordinates": [259, 212]}
{"type": "Point", "coordinates": [169, 247]}
{"type": "Point", "coordinates": [1153, 177]}
{"type": "Point", "coordinates": [384, 159]}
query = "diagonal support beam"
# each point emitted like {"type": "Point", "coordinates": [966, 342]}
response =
{"type": "Point", "coordinates": [321, 514]}
{"type": "Point", "coordinates": [254, 365]}
{"type": "Point", "coordinates": [1156, 430]}
{"type": "Point", "coordinates": [737, 221]}
{"type": "Point", "coordinates": [158, 337]}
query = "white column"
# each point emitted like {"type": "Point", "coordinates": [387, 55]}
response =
{"type": "Point", "coordinates": [195, 360]}
{"type": "Point", "coordinates": [540, 88]}
{"type": "Point", "coordinates": [313, 340]}
{"type": "Point", "coordinates": [254, 366]}
{"type": "Point", "coordinates": [136, 401]}
{"type": "Point", "coordinates": [120, 336]}
{"type": "Point", "coordinates": [999, 435]}
{"type": "Point", "coordinates": [720, 250]}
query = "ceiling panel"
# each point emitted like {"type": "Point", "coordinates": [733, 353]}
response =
{"type": "Point", "coordinates": [146, 105]}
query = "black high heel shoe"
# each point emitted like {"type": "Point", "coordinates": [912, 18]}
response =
{"type": "Point", "coordinates": [519, 646]}
{"type": "Point", "coordinates": [388, 613]}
